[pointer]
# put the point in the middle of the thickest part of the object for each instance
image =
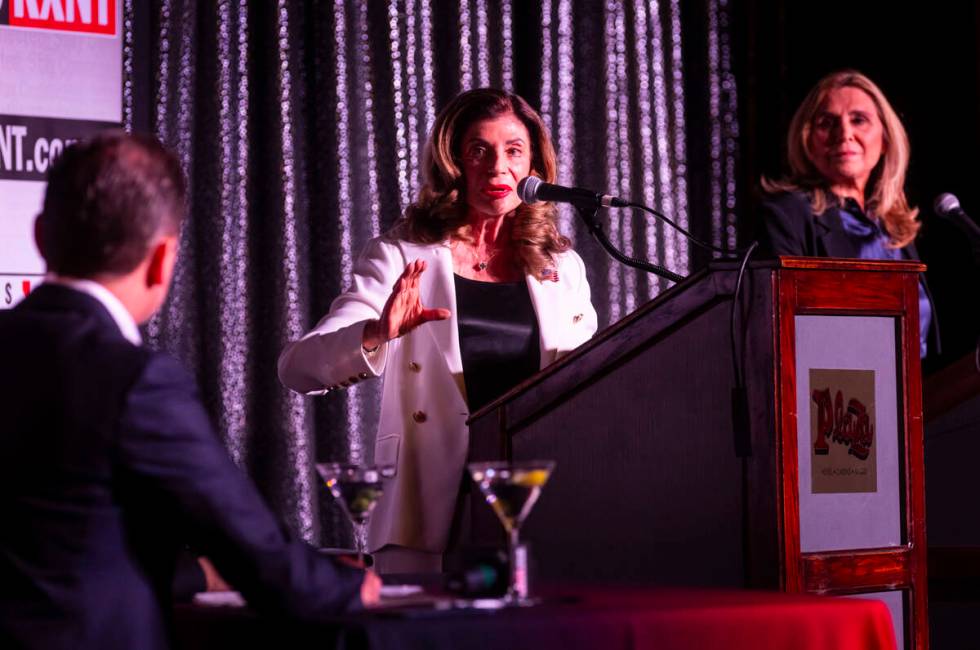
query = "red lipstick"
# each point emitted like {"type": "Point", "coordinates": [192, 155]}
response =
{"type": "Point", "coordinates": [496, 191]}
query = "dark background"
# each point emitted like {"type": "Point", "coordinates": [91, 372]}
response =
{"type": "Point", "coordinates": [924, 58]}
{"type": "Point", "coordinates": [249, 95]}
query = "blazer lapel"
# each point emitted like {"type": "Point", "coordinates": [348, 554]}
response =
{"type": "Point", "coordinates": [438, 289]}
{"type": "Point", "coordinates": [544, 298]}
{"type": "Point", "coordinates": [832, 237]}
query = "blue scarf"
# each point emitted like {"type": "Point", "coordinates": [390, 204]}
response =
{"type": "Point", "coordinates": [872, 241]}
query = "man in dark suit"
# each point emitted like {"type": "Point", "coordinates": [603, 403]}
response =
{"type": "Point", "coordinates": [107, 458]}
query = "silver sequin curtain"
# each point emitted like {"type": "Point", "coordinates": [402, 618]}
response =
{"type": "Point", "coordinates": [301, 127]}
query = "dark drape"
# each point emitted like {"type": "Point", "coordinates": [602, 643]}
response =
{"type": "Point", "coordinates": [301, 127]}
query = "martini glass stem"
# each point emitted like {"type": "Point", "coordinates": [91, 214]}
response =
{"type": "Point", "coordinates": [517, 587]}
{"type": "Point", "coordinates": [359, 540]}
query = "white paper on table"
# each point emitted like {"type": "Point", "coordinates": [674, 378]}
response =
{"type": "Point", "coordinates": [219, 599]}
{"type": "Point", "coordinates": [400, 591]}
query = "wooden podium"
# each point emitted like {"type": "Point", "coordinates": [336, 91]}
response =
{"type": "Point", "coordinates": [808, 478]}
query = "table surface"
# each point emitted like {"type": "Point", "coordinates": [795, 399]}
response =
{"type": "Point", "coordinates": [571, 618]}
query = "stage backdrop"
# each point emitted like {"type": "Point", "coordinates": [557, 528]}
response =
{"type": "Point", "coordinates": [301, 127]}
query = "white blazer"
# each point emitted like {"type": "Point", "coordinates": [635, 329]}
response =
{"type": "Point", "coordinates": [422, 429]}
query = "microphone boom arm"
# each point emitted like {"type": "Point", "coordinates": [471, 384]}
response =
{"type": "Point", "coordinates": [588, 213]}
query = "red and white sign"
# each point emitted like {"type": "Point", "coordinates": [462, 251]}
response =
{"type": "Point", "coordinates": [82, 16]}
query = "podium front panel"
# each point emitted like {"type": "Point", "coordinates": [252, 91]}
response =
{"type": "Point", "coordinates": [851, 327]}
{"type": "Point", "coordinates": [642, 491]}
{"type": "Point", "coordinates": [849, 433]}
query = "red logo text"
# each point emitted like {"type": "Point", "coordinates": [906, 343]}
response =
{"type": "Point", "coordinates": [851, 427]}
{"type": "Point", "coordinates": [86, 16]}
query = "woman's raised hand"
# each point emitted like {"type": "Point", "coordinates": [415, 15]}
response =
{"type": "Point", "coordinates": [403, 311]}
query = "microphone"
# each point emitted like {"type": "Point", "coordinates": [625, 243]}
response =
{"type": "Point", "coordinates": [532, 189]}
{"type": "Point", "coordinates": [948, 207]}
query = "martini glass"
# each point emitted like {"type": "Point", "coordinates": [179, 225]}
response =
{"type": "Point", "coordinates": [511, 489]}
{"type": "Point", "coordinates": [357, 489]}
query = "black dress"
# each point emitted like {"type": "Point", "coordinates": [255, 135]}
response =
{"type": "Point", "coordinates": [498, 337]}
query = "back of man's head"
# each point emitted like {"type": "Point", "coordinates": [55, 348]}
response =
{"type": "Point", "coordinates": [107, 199]}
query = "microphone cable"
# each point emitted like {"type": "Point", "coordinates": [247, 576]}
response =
{"type": "Point", "coordinates": [740, 398]}
{"type": "Point", "coordinates": [588, 208]}
{"type": "Point", "coordinates": [694, 240]}
{"type": "Point", "coordinates": [589, 215]}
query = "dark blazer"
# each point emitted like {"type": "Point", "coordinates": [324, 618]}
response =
{"type": "Point", "coordinates": [788, 226]}
{"type": "Point", "coordinates": [107, 462]}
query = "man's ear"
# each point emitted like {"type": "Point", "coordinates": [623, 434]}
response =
{"type": "Point", "coordinates": [156, 270]}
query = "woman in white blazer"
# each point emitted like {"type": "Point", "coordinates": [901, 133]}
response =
{"type": "Point", "coordinates": [470, 293]}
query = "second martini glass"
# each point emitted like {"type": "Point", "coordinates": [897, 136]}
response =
{"type": "Point", "coordinates": [511, 489]}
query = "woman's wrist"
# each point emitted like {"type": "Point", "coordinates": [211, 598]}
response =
{"type": "Point", "coordinates": [371, 339]}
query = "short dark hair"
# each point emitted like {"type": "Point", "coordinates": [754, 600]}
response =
{"type": "Point", "coordinates": [106, 199]}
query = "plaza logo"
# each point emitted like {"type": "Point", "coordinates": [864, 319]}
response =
{"type": "Point", "coordinates": [851, 427]}
{"type": "Point", "coordinates": [843, 428]}
{"type": "Point", "coordinates": [80, 16]}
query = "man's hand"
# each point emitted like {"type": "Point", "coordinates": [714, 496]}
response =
{"type": "Point", "coordinates": [403, 311]}
{"type": "Point", "coordinates": [211, 576]}
{"type": "Point", "coordinates": [370, 589]}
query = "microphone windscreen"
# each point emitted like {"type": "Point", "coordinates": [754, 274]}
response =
{"type": "Point", "coordinates": [527, 189]}
{"type": "Point", "coordinates": [946, 203]}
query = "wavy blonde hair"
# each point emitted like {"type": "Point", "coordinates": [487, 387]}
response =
{"type": "Point", "coordinates": [887, 182]}
{"type": "Point", "coordinates": [440, 211]}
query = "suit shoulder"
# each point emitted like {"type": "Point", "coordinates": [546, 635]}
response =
{"type": "Point", "coordinates": [384, 249]}
{"type": "Point", "coordinates": [570, 266]}
{"type": "Point", "coordinates": [785, 225]}
{"type": "Point", "coordinates": [161, 368]}
{"type": "Point", "coordinates": [569, 258]}
{"type": "Point", "coordinates": [789, 205]}
{"type": "Point", "coordinates": [164, 397]}
{"type": "Point", "coordinates": [70, 343]}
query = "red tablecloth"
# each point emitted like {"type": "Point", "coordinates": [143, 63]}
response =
{"type": "Point", "coordinates": [673, 618]}
{"type": "Point", "coordinates": [570, 619]}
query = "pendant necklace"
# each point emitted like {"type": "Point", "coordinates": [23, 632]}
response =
{"type": "Point", "coordinates": [481, 265]}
